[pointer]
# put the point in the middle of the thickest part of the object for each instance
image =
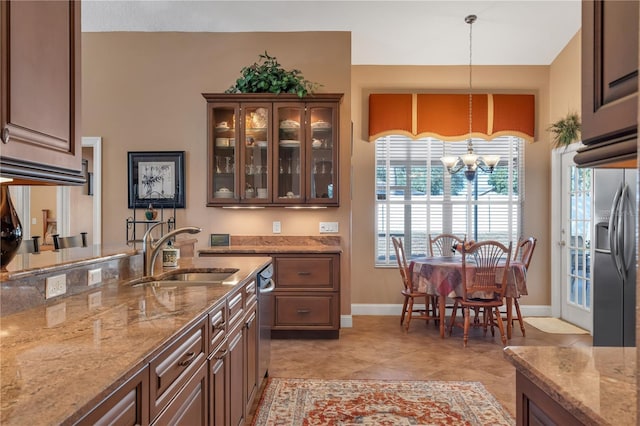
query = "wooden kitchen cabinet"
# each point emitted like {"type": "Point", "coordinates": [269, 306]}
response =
{"type": "Point", "coordinates": [176, 365]}
{"type": "Point", "coordinates": [534, 407]}
{"type": "Point", "coordinates": [274, 150]}
{"type": "Point", "coordinates": [40, 78]}
{"type": "Point", "coordinates": [307, 295]}
{"type": "Point", "coordinates": [190, 406]}
{"type": "Point", "coordinates": [128, 405]}
{"type": "Point", "coordinates": [609, 83]}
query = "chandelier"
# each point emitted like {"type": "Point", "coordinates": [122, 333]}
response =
{"type": "Point", "coordinates": [470, 162]}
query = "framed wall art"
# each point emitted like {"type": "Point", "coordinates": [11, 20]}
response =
{"type": "Point", "coordinates": [156, 178]}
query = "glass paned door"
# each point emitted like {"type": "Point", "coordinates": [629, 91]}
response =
{"type": "Point", "coordinates": [289, 183]}
{"type": "Point", "coordinates": [256, 161]}
{"type": "Point", "coordinates": [322, 153]}
{"type": "Point", "coordinates": [224, 153]}
{"type": "Point", "coordinates": [576, 243]}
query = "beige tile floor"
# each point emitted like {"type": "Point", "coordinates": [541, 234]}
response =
{"type": "Point", "coordinates": [376, 347]}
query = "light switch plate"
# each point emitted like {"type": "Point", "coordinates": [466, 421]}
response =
{"type": "Point", "coordinates": [276, 227]}
{"type": "Point", "coordinates": [328, 227]}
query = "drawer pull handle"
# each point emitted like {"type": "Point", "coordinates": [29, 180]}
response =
{"type": "Point", "coordinates": [219, 325]}
{"type": "Point", "coordinates": [304, 311]}
{"type": "Point", "coordinates": [5, 135]}
{"type": "Point", "coordinates": [190, 357]}
{"type": "Point", "coordinates": [304, 273]}
{"type": "Point", "coordinates": [221, 354]}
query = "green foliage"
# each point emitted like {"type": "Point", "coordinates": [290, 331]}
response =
{"type": "Point", "coordinates": [267, 76]}
{"type": "Point", "coordinates": [566, 130]}
{"type": "Point", "coordinates": [499, 180]}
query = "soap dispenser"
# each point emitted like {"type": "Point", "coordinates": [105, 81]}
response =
{"type": "Point", "coordinates": [170, 256]}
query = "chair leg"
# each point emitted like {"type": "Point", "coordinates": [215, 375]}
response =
{"type": "Point", "coordinates": [404, 310]}
{"type": "Point", "coordinates": [409, 313]}
{"type": "Point", "coordinates": [454, 312]}
{"type": "Point", "coordinates": [517, 305]}
{"type": "Point", "coordinates": [467, 314]}
{"type": "Point", "coordinates": [500, 326]}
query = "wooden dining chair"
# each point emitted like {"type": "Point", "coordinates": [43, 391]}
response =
{"type": "Point", "coordinates": [441, 245]}
{"type": "Point", "coordinates": [483, 289]}
{"type": "Point", "coordinates": [522, 253]}
{"type": "Point", "coordinates": [69, 242]}
{"type": "Point", "coordinates": [430, 311]}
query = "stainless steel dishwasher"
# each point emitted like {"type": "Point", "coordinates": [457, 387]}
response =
{"type": "Point", "coordinates": [266, 285]}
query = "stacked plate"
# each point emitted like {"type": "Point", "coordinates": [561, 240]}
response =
{"type": "Point", "coordinates": [289, 143]}
{"type": "Point", "coordinates": [223, 194]}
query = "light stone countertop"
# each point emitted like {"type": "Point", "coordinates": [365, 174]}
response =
{"type": "Point", "coordinates": [597, 385]}
{"type": "Point", "coordinates": [68, 354]}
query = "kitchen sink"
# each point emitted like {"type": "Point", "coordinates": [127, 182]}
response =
{"type": "Point", "coordinates": [187, 279]}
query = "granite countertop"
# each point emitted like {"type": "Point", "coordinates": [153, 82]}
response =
{"type": "Point", "coordinates": [597, 385]}
{"type": "Point", "coordinates": [68, 354]}
{"type": "Point", "coordinates": [241, 244]}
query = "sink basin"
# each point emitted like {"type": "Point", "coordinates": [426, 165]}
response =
{"type": "Point", "coordinates": [201, 276]}
{"type": "Point", "coordinates": [187, 279]}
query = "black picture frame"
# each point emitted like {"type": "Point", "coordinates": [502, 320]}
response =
{"type": "Point", "coordinates": [157, 178]}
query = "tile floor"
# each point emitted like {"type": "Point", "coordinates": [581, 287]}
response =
{"type": "Point", "coordinates": [376, 347]}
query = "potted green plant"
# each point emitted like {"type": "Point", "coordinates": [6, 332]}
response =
{"type": "Point", "coordinates": [268, 76]}
{"type": "Point", "coordinates": [565, 131]}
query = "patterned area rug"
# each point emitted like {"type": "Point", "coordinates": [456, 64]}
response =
{"type": "Point", "coordinates": [298, 402]}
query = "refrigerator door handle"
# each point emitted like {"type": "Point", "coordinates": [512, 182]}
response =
{"type": "Point", "coordinates": [627, 219]}
{"type": "Point", "coordinates": [614, 232]}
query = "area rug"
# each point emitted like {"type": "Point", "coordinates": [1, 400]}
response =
{"type": "Point", "coordinates": [302, 402]}
{"type": "Point", "coordinates": [554, 325]}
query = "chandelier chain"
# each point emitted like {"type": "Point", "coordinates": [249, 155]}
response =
{"type": "Point", "coordinates": [470, 20]}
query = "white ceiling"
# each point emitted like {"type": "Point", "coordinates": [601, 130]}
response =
{"type": "Point", "coordinates": [514, 32]}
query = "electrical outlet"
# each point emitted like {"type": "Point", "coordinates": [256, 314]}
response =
{"type": "Point", "coordinates": [276, 227]}
{"type": "Point", "coordinates": [94, 276]}
{"type": "Point", "coordinates": [328, 227]}
{"type": "Point", "coordinates": [95, 300]}
{"type": "Point", "coordinates": [56, 314]}
{"type": "Point", "coordinates": [55, 286]}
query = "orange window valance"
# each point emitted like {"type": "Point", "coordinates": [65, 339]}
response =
{"type": "Point", "coordinates": [446, 116]}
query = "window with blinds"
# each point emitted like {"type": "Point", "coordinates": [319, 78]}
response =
{"type": "Point", "coordinates": [416, 196]}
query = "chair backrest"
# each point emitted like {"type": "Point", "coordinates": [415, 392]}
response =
{"type": "Point", "coordinates": [402, 262]}
{"type": "Point", "coordinates": [30, 246]}
{"type": "Point", "coordinates": [524, 251]}
{"type": "Point", "coordinates": [68, 242]}
{"type": "Point", "coordinates": [488, 256]}
{"type": "Point", "coordinates": [441, 244]}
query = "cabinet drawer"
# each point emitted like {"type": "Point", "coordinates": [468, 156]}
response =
{"type": "Point", "coordinates": [313, 311]}
{"type": "Point", "coordinates": [173, 367]}
{"type": "Point", "coordinates": [190, 406]}
{"type": "Point", "coordinates": [217, 326]}
{"type": "Point", "coordinates": [235, 308]}
{"type": "Point", "coordinates": [250, 293]}
{"type": "Point", "coordinates": [301, 272]}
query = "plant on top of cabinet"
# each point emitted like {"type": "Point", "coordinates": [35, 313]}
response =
{"type": "Point", "coordinates": [565, 131]}
{"type": "Point", "coordinates": [267, 76]}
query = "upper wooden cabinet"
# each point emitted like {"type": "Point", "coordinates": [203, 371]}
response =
{"type": "Point", "coordinates": [277, 150]}
{"type": "Point", "coordinates": [609, 83]}
{"type": "Point", "coordinates": [40, 108]}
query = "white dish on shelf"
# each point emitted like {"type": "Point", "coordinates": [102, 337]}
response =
{"type": "Point", "coordinates": [289, 143]}
{"type": "Point", "coordinates": [320, 125]}
{"type": "Point", "coordinates": [222, 141]}
{"type": "Point", "coordinates": [262, 144]}
{"type": "Point", "coordinates": [289, 124]}
{"type": "Point", "coordinates": [223, 194]}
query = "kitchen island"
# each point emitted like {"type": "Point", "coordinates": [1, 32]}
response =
{"type": "Point", "coordinates": [64, 356]}
{"type": "Point", "coordinates": [574, 385]}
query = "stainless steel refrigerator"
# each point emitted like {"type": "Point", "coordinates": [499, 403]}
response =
{"type": "Point", "coordinates": [614, 266]}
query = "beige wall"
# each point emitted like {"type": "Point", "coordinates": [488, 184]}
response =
{"type": "Point", "coordinates": [42, 197]}
{"type": "Point", "coordinates": [142, 92]}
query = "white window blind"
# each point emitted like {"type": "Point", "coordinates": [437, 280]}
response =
{"type": "Point", "coordinates": [415, 196]}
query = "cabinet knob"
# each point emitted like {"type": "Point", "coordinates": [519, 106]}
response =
{"type": "Point", "coordinates": [5, 135]}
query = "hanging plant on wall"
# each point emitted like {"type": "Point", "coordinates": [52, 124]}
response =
{"type": "Point", "coordinates": [565, 131]}
{"type": "Point", "coordinates": [267, 76]}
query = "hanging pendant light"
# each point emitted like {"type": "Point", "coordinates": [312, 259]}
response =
{"type": "Point", "coordinates": [470, 162]}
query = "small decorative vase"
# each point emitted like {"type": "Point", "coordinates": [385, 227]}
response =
{"type": "Point", "coordinates": [10, 228]}
{"type": "Point", "coordinates": [150, 213]}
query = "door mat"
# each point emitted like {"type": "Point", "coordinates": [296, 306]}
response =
{"type": "Point", "coordinates": [297, 402]}
{"type": "Point", "coordinates": [554, 325]}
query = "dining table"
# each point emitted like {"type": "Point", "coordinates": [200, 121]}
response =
{"type": "Point", "coordinates": [442, 276]}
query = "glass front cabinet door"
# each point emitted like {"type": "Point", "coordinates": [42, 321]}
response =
{"type": "Point", "coordinates": [276, 150]}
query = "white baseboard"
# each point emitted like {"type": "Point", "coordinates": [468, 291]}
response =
{"type": "Point", "coordinates": [395, 309]}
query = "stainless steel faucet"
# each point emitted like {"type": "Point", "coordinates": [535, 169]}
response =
{"type": "Point", "coordinates": [150, 249]}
